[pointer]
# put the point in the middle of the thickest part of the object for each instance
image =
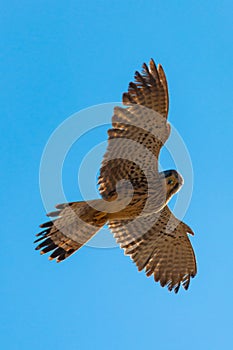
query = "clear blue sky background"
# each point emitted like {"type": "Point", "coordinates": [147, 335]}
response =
{"type": "Point", "coordinates": [58, 57]}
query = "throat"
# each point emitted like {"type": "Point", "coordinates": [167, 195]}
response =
{"type": "Point", "coordinates": [172, 191]}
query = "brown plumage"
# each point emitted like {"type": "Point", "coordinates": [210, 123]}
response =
{"type": "Point", "coordinates": [135, 194]}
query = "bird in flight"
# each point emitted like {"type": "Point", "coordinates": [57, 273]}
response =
{"type": "Point", "coordinates": [134, 193]}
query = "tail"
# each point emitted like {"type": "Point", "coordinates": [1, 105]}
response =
{"type": "Point", "coordinates": [74, 225]}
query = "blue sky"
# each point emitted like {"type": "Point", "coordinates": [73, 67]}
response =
{"type": "Point", "coordinates": [58, 57]}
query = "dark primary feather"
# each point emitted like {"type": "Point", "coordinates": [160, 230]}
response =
{"type": "Point", "coordinates": [150, 89]}
{"type": "Point", "coordinates": [75, 224]}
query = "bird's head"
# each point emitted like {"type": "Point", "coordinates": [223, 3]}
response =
{"type": "Point", "coordinates": [173, 182]}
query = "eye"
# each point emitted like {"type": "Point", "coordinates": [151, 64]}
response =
{"type": "Point", "coordinates": [170, 182]}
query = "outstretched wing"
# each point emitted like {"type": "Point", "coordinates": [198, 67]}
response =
{"type": "Point", "coordinates": [159, 244]}
{"type": "Point", "coordinates": [139, 131]}
{"type": "Point", "coordinates": [74, 224]}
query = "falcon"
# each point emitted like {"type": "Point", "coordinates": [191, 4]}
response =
{"type": "Point", "coordinates": [134, 193]}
